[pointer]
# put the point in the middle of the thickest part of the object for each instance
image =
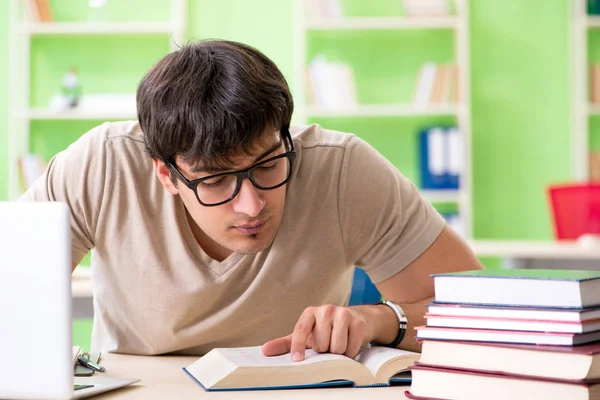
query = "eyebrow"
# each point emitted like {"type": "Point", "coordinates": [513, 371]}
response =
{"type": "Point", "coordinates": [217, 170]}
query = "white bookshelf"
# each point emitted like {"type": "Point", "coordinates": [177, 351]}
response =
{"type": "Point", "coordinates": [89, 28]}
{"type": "Point", "coordinates": [458, 24]}
{"type": "Point", "coordinates": [21, 33]}
{"type": "Point", "coordinates": [593, 109]}
{"type": "Point", "coordinates": [382, 110]}
{"type": "Point", "coordinates": [581, 108]}
{"type": "Point", "coordinates": [443, 196]}
{"type": "Point", "coordinates": [359, 23]}
{"type": "Point", "coordinates": [75, 114]}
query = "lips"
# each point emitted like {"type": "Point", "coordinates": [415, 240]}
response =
{"type": "Point", "coordinates": [251, 229]}
{"type": "Point", "coordinates": [250, 226]}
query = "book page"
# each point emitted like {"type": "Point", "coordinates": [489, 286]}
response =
{"type": "Point", "coordinates": [253, 357]}
{"type": "Point", "coordinates": [374, 357]}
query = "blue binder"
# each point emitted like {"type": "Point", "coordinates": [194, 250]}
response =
{"type": "Point", "coordinates": [431, 179]}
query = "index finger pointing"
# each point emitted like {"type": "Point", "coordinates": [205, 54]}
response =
{"type": "Point", "coordinates": [302, 331]}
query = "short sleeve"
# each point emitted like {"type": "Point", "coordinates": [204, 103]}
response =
{"type": "Point", "coordinates": [386, 223]}
{"type": "Point", "coordinates": [76, 177]}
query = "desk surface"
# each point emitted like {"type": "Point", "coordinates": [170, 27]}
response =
{"type": "Point", "coordinates": [162, 377]}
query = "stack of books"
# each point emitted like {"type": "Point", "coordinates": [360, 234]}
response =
{"type": "Point", "coordinates": [511, 334]}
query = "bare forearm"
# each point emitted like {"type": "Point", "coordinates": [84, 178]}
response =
{"type": "Point", "coordinates": [383, 324]}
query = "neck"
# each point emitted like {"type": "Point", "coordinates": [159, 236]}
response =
{"type": "Point", "coordinates": [210, 247]}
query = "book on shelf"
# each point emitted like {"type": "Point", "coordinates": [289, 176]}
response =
{"type": "Point", "coordinates": [506, 336]}
{"type": "Point", "coordinates": [246, 368]}
{"type": "Point", "coordinates": [426, 8]}
{"type": "Point", "coordinates": [30, 167]}
{"type": "Point", "coordinates": [440, 158]}
{"type": "Point", "coordinates": [572, 363]}
{"type": "Point", "coordinates": [594, 83]}
{"type": "Point", "coordinates": [594, 166]}
{"type": "Point", "coordinates": [436, 85]}
{"type": "Point", "coordinates": [491, 311]}
{"type": "Point", "coordinates": [323, 9]}
{"type": "Point", "coordinates": [331, 84]}
{"type": "Point", "coordinates": [37, 11]}
{"type": "Point", "coordinates": [434, 382]}
{"type": "Point", "coordinates": [520, 287]}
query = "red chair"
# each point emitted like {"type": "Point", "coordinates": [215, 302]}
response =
{"type": "Point", "coordinates": [575, 210]}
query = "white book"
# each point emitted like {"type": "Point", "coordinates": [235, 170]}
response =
{"type": "Point", "coordinates": [347, 87]}
{"type": "Point", "coordinates": [455, 151]}
{"type": "Point", "coordinates": [425, 85]}
{"type": "Point", "coordinates": [436, 148]}
{"type": "Point", "coordinates": [313, 9]}
{"type": "Point", "coordinates": [247, 368]}
{"type": "Point", "coordinates": [333, 8]}
{"type": "Point", "coordinates": [520, 287]}
{"type": "Point", "coordinates": [318, 71]}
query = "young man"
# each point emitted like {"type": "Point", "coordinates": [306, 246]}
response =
{"type": "Point", "coordinates": [216, 224]}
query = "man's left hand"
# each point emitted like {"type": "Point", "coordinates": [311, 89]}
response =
{"type": "Point", "coordinates": [328, 328]}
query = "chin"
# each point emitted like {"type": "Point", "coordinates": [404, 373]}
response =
{"type": "Point", "coordinates": [253, 248]}
{"type": "Point", "coordinates": [252, 244]}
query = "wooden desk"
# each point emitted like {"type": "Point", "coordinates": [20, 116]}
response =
{"type": "Point", "coordinates": [162, 377]}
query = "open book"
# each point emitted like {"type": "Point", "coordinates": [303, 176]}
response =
{"type": "Point", "coordinates": [246, 368]}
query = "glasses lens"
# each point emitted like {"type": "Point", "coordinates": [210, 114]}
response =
{"type": "Point", "coordinates": [216, 190]}
{"type": "Point", "coordinates": [271, 173]}
{"type": "Point", "coordinates": [266, 175]}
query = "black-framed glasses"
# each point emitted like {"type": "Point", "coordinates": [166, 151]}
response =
{"type": "Point", "coordinates": [221, 188]}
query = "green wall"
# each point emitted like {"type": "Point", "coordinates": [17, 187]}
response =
{"type": "Point", "coordinates": [520, 106]}
{"type": "Point", "coordinates": [520, 92]}
{"type": "Point", "coordinates": [4, 79]}
{"type": "Point", "coordinates": [519, 75]}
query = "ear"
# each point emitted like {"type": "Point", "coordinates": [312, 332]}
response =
{"type": "Point", "coordinates": [164, 176]}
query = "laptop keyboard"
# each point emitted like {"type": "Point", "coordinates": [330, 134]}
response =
{"type": "Point", "coordinates": [78, 387]}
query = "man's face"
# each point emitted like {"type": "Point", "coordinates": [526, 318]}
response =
{"type": "Point", "coordinates": [248, 223]}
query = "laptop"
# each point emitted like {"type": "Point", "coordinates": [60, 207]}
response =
{"type": "Point", "coordinates": [36, 349]}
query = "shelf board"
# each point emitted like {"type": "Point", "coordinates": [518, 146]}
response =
{"type": "Point", "coordinates": [48, 114]}
{"type": "Point", "coordinates": [91, 28]}
{"type": "Point", "coordinates": [442, 196]}
{"type": "Point", "coordinates": [352, 23]}
{"type": "Point", "coordinates": [593, 109]}
{"type": "Point", "coordinates": [382, 110]}
{"type": "Point", "coordinates": [593, 21]}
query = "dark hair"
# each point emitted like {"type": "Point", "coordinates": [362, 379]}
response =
{"type": "Point", "coordinates": [209, 99]}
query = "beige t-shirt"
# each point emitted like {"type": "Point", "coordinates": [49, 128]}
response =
{"type": "Point", "coordinates": [155, 289]}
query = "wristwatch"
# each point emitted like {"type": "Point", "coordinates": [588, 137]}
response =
{"type": "Point", "coordinates": [402, 323]}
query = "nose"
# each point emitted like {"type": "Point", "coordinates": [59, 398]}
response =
{"type": "Point", "coordinates": [248, 200]}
